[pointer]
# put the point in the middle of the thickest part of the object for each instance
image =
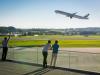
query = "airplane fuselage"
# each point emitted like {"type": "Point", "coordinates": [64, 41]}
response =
{"type": "Point", "coordinates": [71, 15]}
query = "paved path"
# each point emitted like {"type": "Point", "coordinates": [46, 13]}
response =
{"type": "Point", "coordinates": [10, 68]}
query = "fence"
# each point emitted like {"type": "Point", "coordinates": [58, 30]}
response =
{"type": "Point", "coordinates": [68, 59]}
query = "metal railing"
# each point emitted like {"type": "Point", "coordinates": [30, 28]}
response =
{"type": "Point", "coordinates": [68, 59]}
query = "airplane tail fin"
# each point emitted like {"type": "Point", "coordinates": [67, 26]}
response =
{"type": "Point", "coordinates": [86, 15]}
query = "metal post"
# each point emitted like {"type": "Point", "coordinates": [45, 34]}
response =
{"type": "Point", "coordinates": [37, 55]}
{"type": "Point", "coordinates": [69, 59]}
{"type": "Point", "coordinates": [13, 54]}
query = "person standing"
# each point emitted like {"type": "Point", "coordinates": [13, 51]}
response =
{"type": "Point", "coordinates": [45, 53]}
{"type": "Point", "coordinates": [55, 47]}
{"type": "Point", "coordinates": [5, 48]}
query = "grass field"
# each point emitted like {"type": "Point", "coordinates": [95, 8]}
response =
{"type": "Point", "coordinates": [64, 40]}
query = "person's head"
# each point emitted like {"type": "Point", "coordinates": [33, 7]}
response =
{"type": "Point", "coordinates": [5, 38]}
{"type": "Point", "coordinates": [56, 41]}
{"type": "Point", "coordinates": [49, 41]}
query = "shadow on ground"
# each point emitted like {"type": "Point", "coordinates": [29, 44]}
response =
{"type": "Point", "coordinates": [42, 71]}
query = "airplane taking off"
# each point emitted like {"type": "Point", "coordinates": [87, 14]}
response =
{"type": "Point", "coordinates": [71, 15]}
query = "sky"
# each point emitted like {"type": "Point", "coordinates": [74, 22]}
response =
{"type": "Point", "coordinates": [40, 13]}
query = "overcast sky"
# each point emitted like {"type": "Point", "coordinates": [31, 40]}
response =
{"type": "Point", "coordinates": [40, 13]}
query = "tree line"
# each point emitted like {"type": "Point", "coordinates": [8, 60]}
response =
{"type": "Point", "coordinates": [39, 31]}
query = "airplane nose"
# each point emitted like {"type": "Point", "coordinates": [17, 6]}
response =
{"type": "Point", "coordinates": [56, 11]}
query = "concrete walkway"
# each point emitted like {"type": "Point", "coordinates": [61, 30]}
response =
{"type": "Point", "coordinates": [11, 68]}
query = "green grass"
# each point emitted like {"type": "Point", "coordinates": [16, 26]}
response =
{"type": "Point", "coordinates": [64, 41]}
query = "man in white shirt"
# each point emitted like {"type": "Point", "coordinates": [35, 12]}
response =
{"type": "Point", "coordinates": [45, 53]}
{"type": "Point", "coordinates": [5, 48]}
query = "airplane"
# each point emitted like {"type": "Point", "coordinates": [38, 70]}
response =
{"type": "Point", "coordinates": [71, 15]}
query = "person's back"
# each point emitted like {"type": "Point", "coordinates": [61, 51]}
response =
{"type": "Point", "coordinates": [54, 53]}
{"type": "Point", "coordinates": [45, 53]}
{"type": "Point", "coordinates": [55, 48]}
{"type": "Point", "coordinates": [46, 47]}
{"type": "Point", "coordinates": [5, 48]}
{"type": "Point", "coordinates": [5, 42]}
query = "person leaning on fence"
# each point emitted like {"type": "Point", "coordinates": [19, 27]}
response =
{"type": "Point", "coordinates": [45, 53]}
{"type": "Point", "coordinates": [55, 47]}
{"type": "Point", "coordinates": [5, 48]}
